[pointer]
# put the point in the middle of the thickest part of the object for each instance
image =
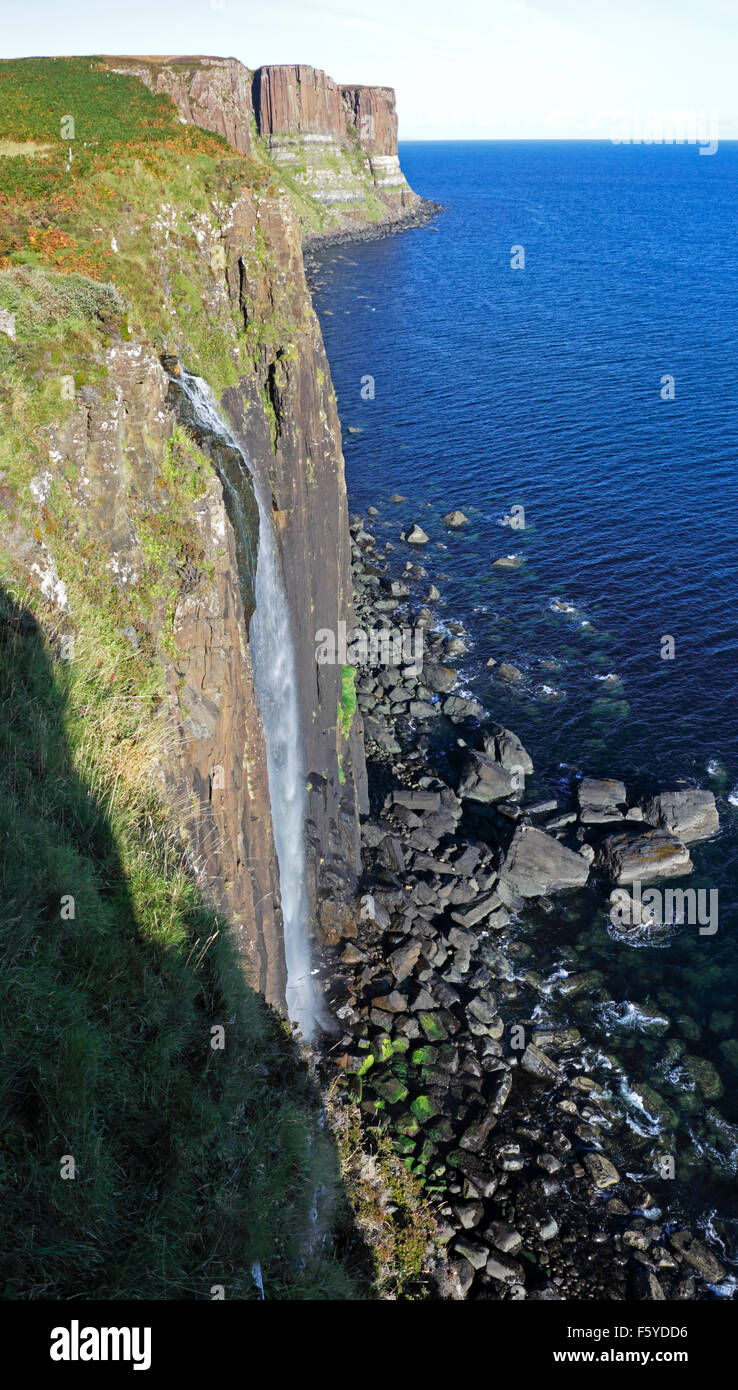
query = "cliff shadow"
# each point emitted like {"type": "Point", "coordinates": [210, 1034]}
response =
{"type": "Point", "coordinates": [161, 1136]}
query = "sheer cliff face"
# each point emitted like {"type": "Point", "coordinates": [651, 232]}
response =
{"type": "Point", "coordinates": [339, 141]}
{"type": "Point", "coordinates": [111, 504]}
{"type": "Point", "coordinates": [296, 446]}
{"type": "Point", "coordinates": [337, 146]}
{"type": "Point", "coordinates": [214, 93]}
{"type": "Point", "coordinates": [113, 450]}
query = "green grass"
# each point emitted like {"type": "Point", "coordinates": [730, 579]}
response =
{"type": "Point", "coordinates": [347, 702]}
{"type": "Point", "coordinates": [191, 1163]}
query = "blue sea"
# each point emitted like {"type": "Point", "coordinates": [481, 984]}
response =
{"type": "Point", "coordinates": [595, 387]}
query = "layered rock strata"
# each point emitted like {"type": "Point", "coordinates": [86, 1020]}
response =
{"type": "Point", "coordinates": [337, 145]}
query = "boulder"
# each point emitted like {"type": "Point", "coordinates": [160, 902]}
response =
{"type": "Point", "coordinates": [601, 799]}
{"type": "Point", "coordinates": [506, 672]}
{"type": "Point", "coordinates": [626, 858]}
{"type": "Point", "coordinates": [537, 1064]}
{"type": "Point", "coordinates": [417, 799]}
{"type": "Point", "coordinates": [416, 536]}
{"type": "Point", "coordinates": [458, 1278]}
{"type": "Point", "coordinates": [506, 748]}
{"type": "Point", "coordinates": [420, 709]}
{"type": "Point", "coordinates": [696, 1254]}
{"type": "Point", "coordinates": [455, 519]}
{"type": "Point", "coordinates": [457, 709]}
{"type": "Point", "coordinates": [380, 734]}
{"type": "Point", "coordinates": [690, 814]}
{"type": "Point", "coordinates": [484, 780]}
{"type": "Point", "coordinates": [472, 1251]}
{"type": "Point", "coordinates": [440, 679]}
{"type": "Point", "coordinates": [602, 1172]}
{"type": "Point", "coordinates": [478, 910]}
{"type": "Point", "coordinates": [402, 962]}
{"type": "Point", "coordinates": [504, 1271]}
{"type": "Point", "coordinates": [536, 864]}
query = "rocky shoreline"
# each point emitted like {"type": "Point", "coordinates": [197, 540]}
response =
{"type": "Point", "coordinates": [436, 1017]}
{"type": "Point", "coordinates": [320, 241]}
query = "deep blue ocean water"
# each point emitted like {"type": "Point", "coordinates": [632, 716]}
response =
{"type": "Point", "coordinates": [542, 387]}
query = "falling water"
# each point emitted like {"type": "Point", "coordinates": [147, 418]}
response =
{"type": "Point", "coordinates": [275, 679]}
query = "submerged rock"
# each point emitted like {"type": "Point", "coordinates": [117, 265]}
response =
{"type": "Point", "coordinates": [698, 1256]}
{"type": "Point", "coordinates": [510, 673]}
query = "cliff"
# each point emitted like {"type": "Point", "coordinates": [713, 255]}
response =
{"type": "Point", "coordinates": [146, 235]}
{"type": "Point", "coordinates": [335, 147]}
{"type": "Point", "coordinates": [99, 501]}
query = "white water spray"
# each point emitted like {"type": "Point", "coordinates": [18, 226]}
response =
{"type": "Point", "coordinates": [275, 678]}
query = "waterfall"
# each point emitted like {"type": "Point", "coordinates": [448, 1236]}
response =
{"type": "Point", "coordinates": [275, 678]}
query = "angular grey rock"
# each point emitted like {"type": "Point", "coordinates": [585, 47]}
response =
{"type": "Point", "coordinates": [536, 864]}
{"type": "Point", "coordinates": [601, 799]}
{"type": "Point", "coordinates": [420, 709]}
{"type": "Point", "coordinates": [504, 1271]}
{"type": "Point", "coordinates": [625, 858]}
{"type": "Point", "coordinates": [457, 709]}
{"type": "Point", "coordinates": [478, 910]}
{"type": "Point", "coordinates": [417, 799]}
{"type": "Point", "coordinates": [391, 854]}
{"type": "Point", "coordinates": [439, 679]}
{"type": "Point", "coordinates": [393, 1003]}
{"type": "Point", "coordinates": [690, 814]}
{"type": "Point", "coordinates": [506, 748]}
{"type": "Point", "coordinates": [403, 961]}
{"type": "Point", "coordinates": [472, 1251]}
{"type": "Point", "coordinates": [537, 1064]}
{"type": "Point", "coordinates": [376, 730]}
{"type": "Point", "coordinates": [460, 1278]}
{"type": "Point", "coordinates": [455, 519]}
{"type": "Point", "coordinates": [425, 863]}
{"type": "Point", "coordinates": [416, 536]}
{"type": "Point", "coordinates": [504, 1238]}
{"type": "Point", "coordinates": [484, 780]}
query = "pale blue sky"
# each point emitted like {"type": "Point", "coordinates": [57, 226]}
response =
{"type": "Point", "coordinates": [463, 69]}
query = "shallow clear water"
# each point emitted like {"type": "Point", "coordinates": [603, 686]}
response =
{"type": "Point", "coordinates": [541, 387]}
